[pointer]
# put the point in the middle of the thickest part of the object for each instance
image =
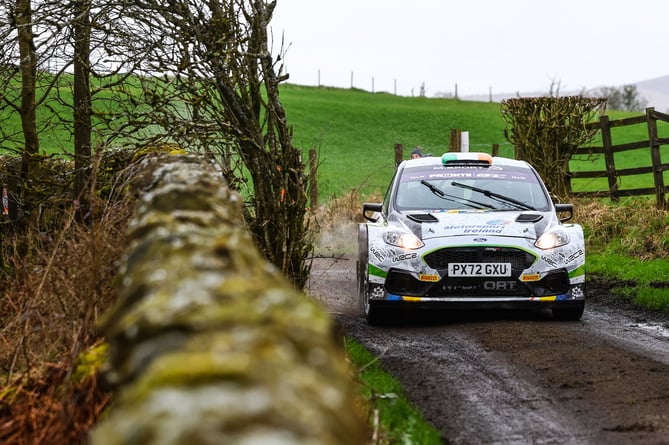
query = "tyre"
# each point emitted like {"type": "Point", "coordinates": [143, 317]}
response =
{"type": "Point", "coordinates": [372, 314]}
{"type": "Point", "coordinates": [568, 313]}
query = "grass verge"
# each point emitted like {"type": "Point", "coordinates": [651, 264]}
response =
{"type": "Point", "coordinates": [644, 283]}
{"type": "Point", "coordinates": [628, 243]}
{"type": "Point", "coordinates": [393, 418]}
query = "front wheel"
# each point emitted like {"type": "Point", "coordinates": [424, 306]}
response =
{"type": "Point", "coordinates": [372, 314]}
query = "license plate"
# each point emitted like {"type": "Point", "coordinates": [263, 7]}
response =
{"type": "Point", "coordinates": [479, 269]}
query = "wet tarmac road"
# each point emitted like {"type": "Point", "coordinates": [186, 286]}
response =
{"type": "Point", "coordinates": [519, 377]}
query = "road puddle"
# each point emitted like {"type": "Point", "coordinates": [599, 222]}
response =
{"type": "Point", "coordinates": [655, 329]}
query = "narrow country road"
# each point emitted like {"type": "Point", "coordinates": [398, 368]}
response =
{"type": "Point", "coordinates": [519, 377]}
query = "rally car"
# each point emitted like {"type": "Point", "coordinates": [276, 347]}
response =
{"type": "Point", "coordinates": [468, 230]}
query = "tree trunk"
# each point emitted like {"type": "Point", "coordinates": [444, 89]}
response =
{"type": "Point", "coordinates": [82, 103]}
{"type": "Point", "coordinates": [28, 67]}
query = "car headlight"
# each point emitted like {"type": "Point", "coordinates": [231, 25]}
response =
{"type": "Point", "coordinates": [552, 239]}
{"type": "Point", "coordinates": [404, 240]}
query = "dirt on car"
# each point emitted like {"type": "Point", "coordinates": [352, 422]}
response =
{"type": "Point", "coordinates": [501, 377]}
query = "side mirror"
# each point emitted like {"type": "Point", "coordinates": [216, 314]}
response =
{"type": "Point", "coordinates": [567, 211]}
{"type": "Point", "coordinates": [368, 210]}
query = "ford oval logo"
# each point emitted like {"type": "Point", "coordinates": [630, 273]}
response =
{"type": "Point", "coordinates": [480, 240]}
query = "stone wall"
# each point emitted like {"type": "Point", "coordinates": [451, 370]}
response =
{"type": "Point", "coordinates": [209, 343]}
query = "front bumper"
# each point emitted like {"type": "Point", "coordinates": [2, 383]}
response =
{"type": "Point", "coordinates": [401, 282]}
{"type": "Point", "coordinates": [555, 289]}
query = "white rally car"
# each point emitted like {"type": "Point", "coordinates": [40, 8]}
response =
{"type": "Point", "coordinates": [467, 230]}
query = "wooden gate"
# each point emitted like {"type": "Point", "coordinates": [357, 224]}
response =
{"type": "Point", "coordinates": [608, 149]}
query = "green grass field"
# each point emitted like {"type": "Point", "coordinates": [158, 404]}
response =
{"type": "Point", "coordinates": [355, 133]}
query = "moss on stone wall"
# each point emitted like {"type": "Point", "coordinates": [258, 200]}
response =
{"type": "Point", "coordinates": [209, 343]}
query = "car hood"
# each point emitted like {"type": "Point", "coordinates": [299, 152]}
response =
{"type": "Point", "coordinates": [517, 224]}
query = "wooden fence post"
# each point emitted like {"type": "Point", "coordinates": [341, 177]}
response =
{"type": "Point", "coordinates": [656, 159]}
{"type": "Point", "coordinates": [609, 159]}
{"type": "Point", "coordinates": [495, 149]}
{"type": "Point", "coordinates": [454, 144]}
{"type": "Point", "coordinates": [313, 180]}
{"type": "Point", "coordinates": [399, 154]}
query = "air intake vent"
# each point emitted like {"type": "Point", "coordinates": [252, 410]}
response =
{"type": "Point", "coordinates": [423, 217]}
{"type": "Point", "coordinates": [529, 217]}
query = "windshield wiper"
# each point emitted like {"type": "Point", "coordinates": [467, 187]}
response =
{"type": "Point", "coordinates": [493, 195]}
{"type": "Point", "coordinates": [457, 199]}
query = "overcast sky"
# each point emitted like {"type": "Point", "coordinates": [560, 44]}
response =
{"type": "Point", "coordinates": [503, 46]}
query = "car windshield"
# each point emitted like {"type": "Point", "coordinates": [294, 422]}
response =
{"type": "Point", "coordinates": [470, 188]}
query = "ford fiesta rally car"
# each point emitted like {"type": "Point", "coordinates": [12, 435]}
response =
{"type": "Point", "coordinates": [467, 230]}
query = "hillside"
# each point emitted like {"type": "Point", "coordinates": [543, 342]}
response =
{"type": "Point", "coordinates": [355, 132]}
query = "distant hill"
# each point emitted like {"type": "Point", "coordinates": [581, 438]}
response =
{"type": "Point", "coordinates": [655, 91]}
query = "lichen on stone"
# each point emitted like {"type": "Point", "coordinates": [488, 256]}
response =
{"type": "Point", "coordinates": [208, 342]}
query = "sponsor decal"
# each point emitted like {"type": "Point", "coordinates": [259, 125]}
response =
{"type": "Point", "coordinates": [460, 287]}
{"type": "Point", "coordinates": [573, 256]}
{"type": "Point", "coordinates": [577, 292]}
{"type": "Point", "coordinates": [550, 260]}
{"type": "Point", "coordinates": [491, 175]}
{"type": "Point", "coordinates": [376, 271]}
{"type": "Point", "coordinates": [458, 211]}
{"type": "Point", "coordinates": [499, 285]}
{"type": "Point", "coordinates": [377, 254]}
{"type": "Point", "coordinates": [491, 285]}
{"type": "Point", "coordinates": [530, 277]}
{"type": "Point", "coordinates": [480, 240]}
{"type": "Point", "coordinates": [498, 222]}
{"type": "Point", "coordinates": [550, 298]}
{"type": "Point", "coordinates": [579, 271]}
{"type": "Point", "coordinates": [425, 277]}
{"type": "Point", "coordinates": [404, 257]}
{"type": "Point", "coordinates": [476, 228]}
{"type": "Point", "coordinates": [451, 175]}
{"type": "Point", "coordinates": [408, 298]}
{"type": "Point", "coordinates": [560, 258]}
